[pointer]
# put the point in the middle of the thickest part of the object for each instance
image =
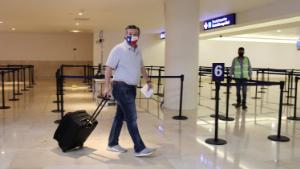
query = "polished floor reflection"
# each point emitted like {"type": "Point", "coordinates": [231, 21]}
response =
{"type": "Point", "coordinates": [27, 128]}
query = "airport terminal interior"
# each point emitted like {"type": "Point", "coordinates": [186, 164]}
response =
{"type": "Point", "coordinates": [53, 56]}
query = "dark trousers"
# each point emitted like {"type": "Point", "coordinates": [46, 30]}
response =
{"type": "Point", "coordinates": [241, 84]}
{"type": "Point", "coordinates": [126, 111]}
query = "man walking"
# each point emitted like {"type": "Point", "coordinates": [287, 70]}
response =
{"type": "Point", "coordinates": [241, 71]}
{"type": "Point", "coordinates": [126, 59]}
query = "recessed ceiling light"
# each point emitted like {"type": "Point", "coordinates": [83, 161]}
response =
{"type": "Point", "coordinates": [81, 12]}
{"type": "Point", "coordinates": [13, 29]}
{"type": "Point", "coordinates": [279, 31]}
{"type": "Point", "coordinates": [1, 21]}
{"type": "Point", "coordinates": [75, 31]}
{"type": "Point", "coordinates": [77, 23]}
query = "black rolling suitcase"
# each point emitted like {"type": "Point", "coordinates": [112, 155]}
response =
{"type": "Point", "coordinates": [75, 128]}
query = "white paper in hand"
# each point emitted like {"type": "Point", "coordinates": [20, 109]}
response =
{"type": "Point", "coordinates": [147, 93]}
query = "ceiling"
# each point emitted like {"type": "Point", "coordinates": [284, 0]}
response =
{"type": "Point", "coordinates": [114, 15]}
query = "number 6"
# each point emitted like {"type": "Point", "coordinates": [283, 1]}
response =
{"type": "Point", "coordinates": [218, 71]}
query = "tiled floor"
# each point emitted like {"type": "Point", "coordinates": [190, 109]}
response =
{"type": "Point", "coordinates": [26, 132]}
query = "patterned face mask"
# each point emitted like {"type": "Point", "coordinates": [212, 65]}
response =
{"type": "Point", "coordinates": [132, 40]}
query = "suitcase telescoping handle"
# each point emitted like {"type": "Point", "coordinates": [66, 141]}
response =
{"type": "Point", "coordinates": [98, 110]}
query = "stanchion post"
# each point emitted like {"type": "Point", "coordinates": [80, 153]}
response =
{"type": "Point", "coordinates": [18, 82]}
{"type": "Point", "coordinates": [279, 137]}
{"type": "Point", "coordinates": [33, 79]}
{"type": "Point", "coordinates": [24, 79]}
{"type": "Point", "coordinates": [57, 93]}
{"type": "Point", "coordinates": [263, 79]}
{"type": "Point", "coordinates": [256, 97]}
{"type": "Point", "coordinates": [14, 91]}
{"type": "Point", "coordinates": [288, 91]}
{"type": "Point", "coordinates": [158, 82]}
{"type": "Point", "coordinates": [216, 140]}
{"type": "Point", "coordinates": [84, 74]}
{"type": "Point", "coordinates": [285, 81]}
{"type": "Point", "coordinates": [226, 117]}
{"type": "Point", "coordinates": [180, 116]}
{"type": "Point", "coordinates": [61, 87]}
{"type": "Point", "coordinates": [294, 117]}
{"type": "Point", "coordinates": [3, 92]}
{"type": "Point", "coordinates": [29, 77]}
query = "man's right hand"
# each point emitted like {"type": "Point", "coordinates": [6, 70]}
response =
{"type": "Point", "coordinates": [106, 93]}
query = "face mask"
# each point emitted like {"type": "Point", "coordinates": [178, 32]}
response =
{"type": "Point", "coordinates": [132, 40]}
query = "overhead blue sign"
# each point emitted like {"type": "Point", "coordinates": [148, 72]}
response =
{"type": "Point", "coordinates": [220, 22]}
{"type": "Point", "coordinates": [163, 35]}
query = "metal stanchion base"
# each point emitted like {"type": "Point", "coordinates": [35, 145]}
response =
{"type": "Point", "coordinates": [224, 118]}
{"type": "Point", "coordinates": [4, 107]}
{"type": "Point", "coordinates": [213, 141]}
{"type": "Point", "coordinates": [15, 99]}
{"type": "Point", "coordinates": [24, 90]}
{"type": "Point", "coordinates": [261, 92]}
{"type": "Point", "coordinates": [255, 97]}
{"type": "Point", "coordinates": [285, 91]}
{"type": "Point", "coordinates": [57, 121]}
{"type": "Point", "coordinates": [213, 89]}
{"type": "Point", "coordinates": [278, 138]}
{"type": "Point", "coordinates": [180, 118]}
{"type": "Point", "coordinates": [29, 86]}
{"type": "Point", "coordinates": [226, 93]}
{"type": "Point", "coordinates": [294, 118]}
{"type": "Point", "coordinates": [263, 88]}
{"type": "Point", "coordinates": [19, 94]}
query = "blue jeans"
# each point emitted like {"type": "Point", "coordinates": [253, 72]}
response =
{"type": "Point", "coordinates": [241, 84]}
{"type": "Point", "coordinates": [125, 96]}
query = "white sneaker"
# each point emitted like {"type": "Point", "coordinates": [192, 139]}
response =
{"type": "Point", "coordinates": [145, 152]}
{"type": "Point", "coordinates": [116, 148]}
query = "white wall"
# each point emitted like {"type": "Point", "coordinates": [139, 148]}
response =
{"type": "Point", "coordinates": [45, 46]}
{"type": "Point", "coordinates": [273, 55]}
{"type": "Point", "coordinates": [152, 47]}
{"type": "Point", "coordinates": [46, 51]}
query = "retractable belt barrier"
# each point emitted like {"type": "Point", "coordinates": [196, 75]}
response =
{"type": "Point", "coordinates": [14, 70]}
{"type": "Point", "coordinates": [59, 89]}
{"type": "Point", "coordinates": [278, 137]}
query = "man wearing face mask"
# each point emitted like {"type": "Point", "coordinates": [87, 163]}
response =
{"type": "Point", "coordinates": [126, 59]}
{"type": "Point", "coordinates": [241, 71]}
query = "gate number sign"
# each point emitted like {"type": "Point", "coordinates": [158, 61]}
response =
{"type": "Point", "coordinates": [218, 71]}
